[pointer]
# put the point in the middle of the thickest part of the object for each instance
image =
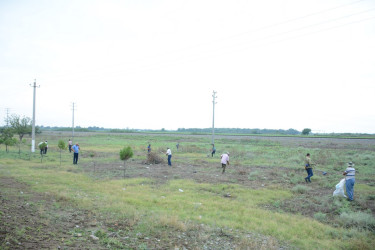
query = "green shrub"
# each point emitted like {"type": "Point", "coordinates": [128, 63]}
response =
{"type": "Point", "coordinates": [126, 153]}
{"type": "Point", "coordinates": [301, 189]}
{"type": "Point", "coordinates": [358, 219]}
{"type": "Point", "coordinates": [320, 216]}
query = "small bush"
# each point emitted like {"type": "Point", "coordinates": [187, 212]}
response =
{"type": "Point", "coordinates": [153, 158]}
{"type": "Point", "coordinates": [320, 216]}
{"type": "Point", "coordinates": [358, 219]}
{"type": "Point", "coordinates": [126, 153]}
{"type": "Point", "coordinates": [295, 179]}
{"type": "Point", "coordinates": [301, 189]}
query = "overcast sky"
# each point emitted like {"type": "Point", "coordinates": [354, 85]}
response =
{"type": "Point", "coordinates": [275, 64]}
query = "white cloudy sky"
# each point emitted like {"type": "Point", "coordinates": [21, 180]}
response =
{"type": "Point", "coordinates": [275, 64]}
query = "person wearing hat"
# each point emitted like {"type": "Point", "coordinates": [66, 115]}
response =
{"type": "Point", "coordinates": [224, 161]}
{"type": "Point", "coordinates": [308, 167]}
{"type": "Point", "coordinates": [350, 180]}
{"type": "Point", "coordinates": [76, 149]}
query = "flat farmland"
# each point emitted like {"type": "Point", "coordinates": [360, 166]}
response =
{"type": "Point", "coordinates": [261, 201]}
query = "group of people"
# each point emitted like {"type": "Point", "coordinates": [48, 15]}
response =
{"type": "Point", "coordinates": [349, 174]}
{"type": "Point", "coordinates": [168, 153]}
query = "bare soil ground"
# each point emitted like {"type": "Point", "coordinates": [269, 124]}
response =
{"type": "Point", "coordinates": [30, 220]}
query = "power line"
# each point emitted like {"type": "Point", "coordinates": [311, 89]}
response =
{"type": "Point", "coordinates": [297, 18]}
{"type": "Point", "coordinates": [307, 27]}
{"type": "Point", "coordinates": [179, 60]}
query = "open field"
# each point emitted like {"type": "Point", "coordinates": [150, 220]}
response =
{"type": "Point", "coordinates": [261, 202]}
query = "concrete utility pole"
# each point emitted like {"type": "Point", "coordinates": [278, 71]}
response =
{"type": "Point", "coordinates": [73, 108]}
{"type": "Point", "coordinates": [213, 116]}
{"type": "Point", "coordinates": [33, 127]}
{"type": "Point", "coordinates": [7, 117]}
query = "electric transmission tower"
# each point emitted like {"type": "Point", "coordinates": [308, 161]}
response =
{"type": "Point", "coordinates": [213, 116]}
{"type": "Point", "coordinates": [33, 126]}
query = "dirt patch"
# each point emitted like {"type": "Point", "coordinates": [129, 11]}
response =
{"type": "Point", "coordinates": [30, 220]}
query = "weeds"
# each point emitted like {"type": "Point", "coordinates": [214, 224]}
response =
{"type": "Point", "coordinates": [320, 216]}
{"type": "Point", "coordinates": [359, 220]}
{"type": "Point", "coordinates": [301, 189]}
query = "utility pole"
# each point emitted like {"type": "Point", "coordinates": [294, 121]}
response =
{"type": "Point", "coordinates": [73, 108]}
{"type": "Point", "coordinates": [213, 116]}
{"type": "Point", "coordinates": [33, 127]}
{"type": "Point", "coordinates": [7, 117]}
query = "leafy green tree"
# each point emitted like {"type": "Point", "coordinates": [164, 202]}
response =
{"type": "Point", "coordinates": [6, 138]}
{"type": "Point", "coordinates": [125, 154]}
{"type": "Point", "coordinates": [61, 144]}
{"type": "Point", "coordinates": [20, 126]}
{"type": "Point", "coordinates": [306, 131]}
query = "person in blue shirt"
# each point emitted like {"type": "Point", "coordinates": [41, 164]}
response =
{"type": "Point", "coordinates": [76, 149]}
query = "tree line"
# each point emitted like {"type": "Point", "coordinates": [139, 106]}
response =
{"type": "Point", "coordinates": [241, 131]}
{"type": "Point", "coordinates": [16, 125]}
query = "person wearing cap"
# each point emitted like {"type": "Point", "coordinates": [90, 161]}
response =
{"type": "Point", "coordinates": [169, 154]}
{"type": "Point", "coordinates": [76, 149]}
{"type": "Point", "coordinates": [350, 180]}
{"type": "Point", "coordinates": [308, 167]}
{"type": "Point", "coordinates": [224, 161]}
{"type": "Point", "coordinates": [70, 143]}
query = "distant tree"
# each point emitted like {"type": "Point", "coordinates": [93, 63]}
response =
{"type": "Point", "coordinates": [6, 138]}
{"type": "Point", "coordinates": [62, 146]}
{"type": "Point", "coordinates": [306, 131]}
{"type": "Point", "coordinates": [20, 126]}
{"type": "Point", "coordinates": [125, 154]}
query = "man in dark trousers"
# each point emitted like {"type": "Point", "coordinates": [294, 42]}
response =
{"type": "Point", "coordinates": [308, 167]}
{"type": "Point", "coordinates": [76, 149]}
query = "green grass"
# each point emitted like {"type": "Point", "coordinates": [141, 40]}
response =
{"type": "Point", "coordinates": [140, 197]}
{"type": "Point", "coordinates": [149, 207]}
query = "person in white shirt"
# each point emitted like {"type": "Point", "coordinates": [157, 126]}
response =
{"type": "Point", "coordinates": [224, 161]}
{"type": "Point", "coordinates": [169, 153]}
{"type": "Point", "coordinates": [70, 145]}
